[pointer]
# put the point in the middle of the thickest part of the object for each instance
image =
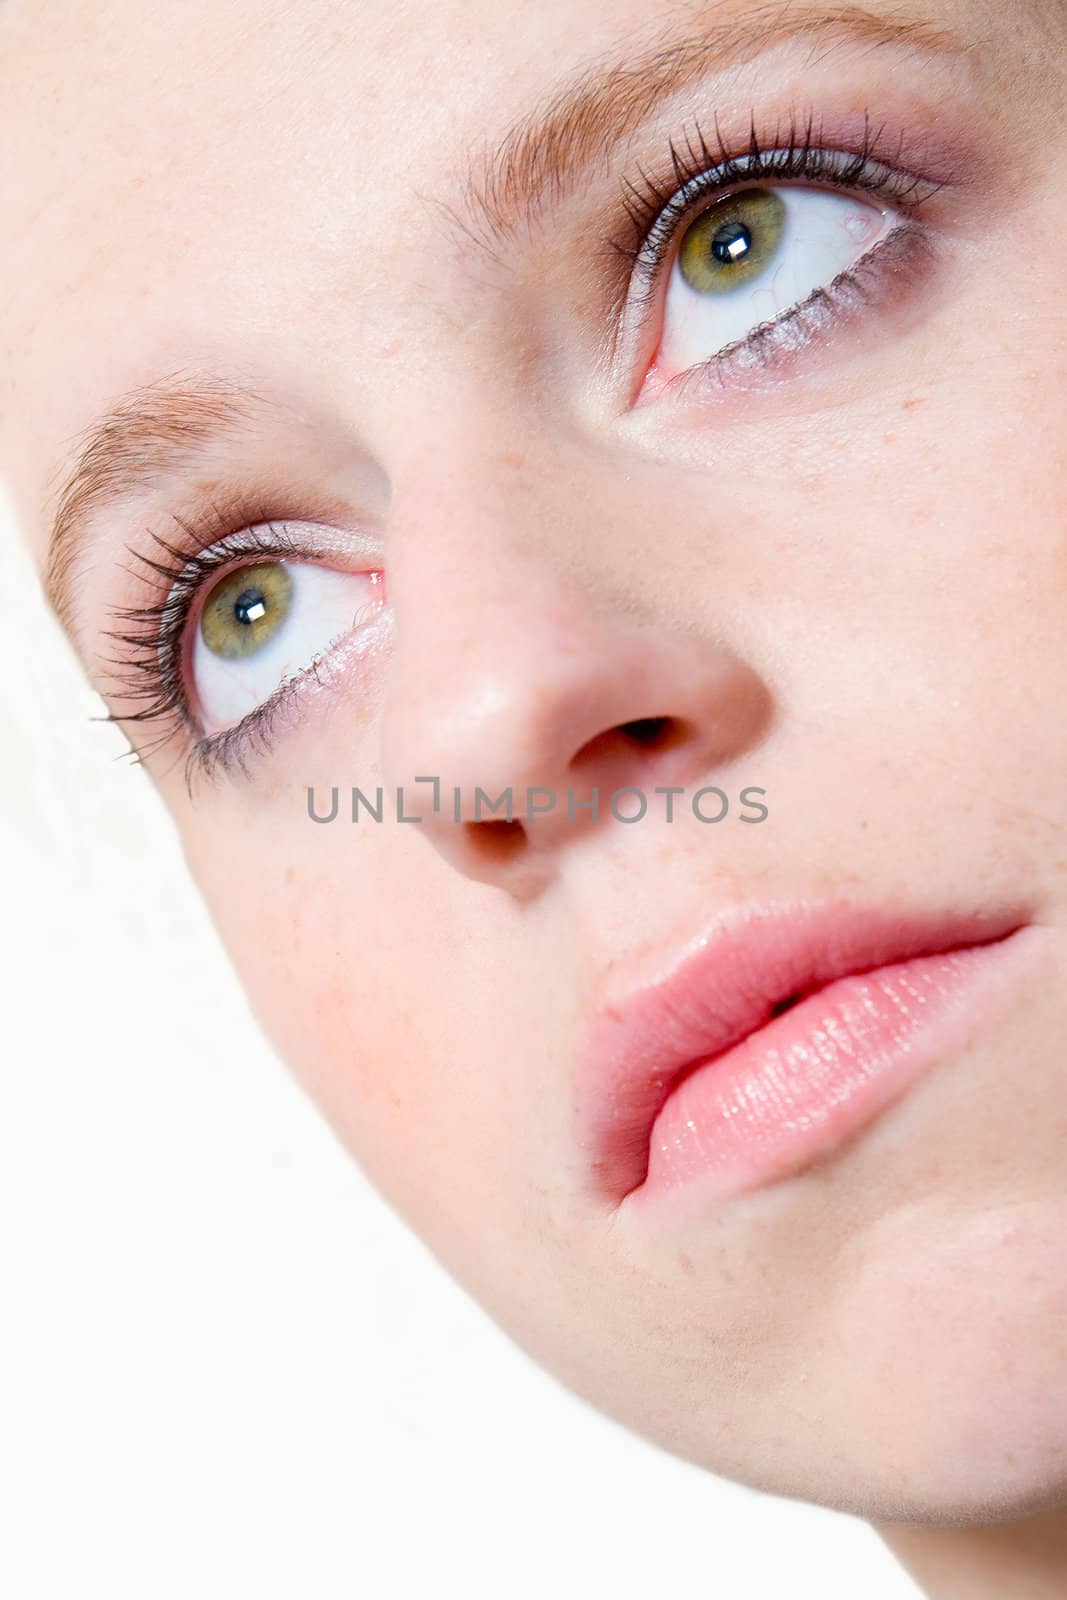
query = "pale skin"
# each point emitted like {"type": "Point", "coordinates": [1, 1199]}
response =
{"type": "Point", "coordinates": [844, 575]}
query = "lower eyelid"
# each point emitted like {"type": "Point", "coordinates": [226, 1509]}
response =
{"type": "Point", "coordinates": [322, 605]}
{"type": "Point", "coordinates": [234, 748]}
{"type": "Point", "coordinates": [898, 266]}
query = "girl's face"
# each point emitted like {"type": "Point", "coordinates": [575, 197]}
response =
{"type": "Point", "coordinates": [394, 364]}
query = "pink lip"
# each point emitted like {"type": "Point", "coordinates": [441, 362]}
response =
{"type": "Point", "coordinates": [694, 1083]}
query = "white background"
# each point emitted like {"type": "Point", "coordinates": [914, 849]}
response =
{"type": "Point", "coordinates": [227, 1369]}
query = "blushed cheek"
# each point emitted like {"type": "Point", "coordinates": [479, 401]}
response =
{"type": "Point", "coordinates": [330, 941]}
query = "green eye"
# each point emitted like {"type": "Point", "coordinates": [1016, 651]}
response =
{"type": "Point", "coordinates": [245, 610]}
{"type": "Point", "coordinates": [733, 241]}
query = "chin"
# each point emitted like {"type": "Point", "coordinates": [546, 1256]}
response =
{"type": "Point", "coordinates": [945, 1392]}
{"type": "Point", "coordinates": [928, 1386]}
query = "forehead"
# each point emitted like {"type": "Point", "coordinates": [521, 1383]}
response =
{"type": "Point", "coordinates": [234, 143]}
{"type": "Point", "coordinates": [229, 171]}
{"type": "Point", "coordinates": [189, 181]}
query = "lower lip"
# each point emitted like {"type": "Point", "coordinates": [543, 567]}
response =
{"type": "Point", "coordinates": [798, 1089]}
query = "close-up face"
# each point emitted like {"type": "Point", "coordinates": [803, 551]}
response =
{"type": "Point", "coordinates": [454, 401]}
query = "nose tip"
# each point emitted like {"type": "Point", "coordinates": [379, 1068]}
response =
{"type": "Point", "coordinates": [505, 760]}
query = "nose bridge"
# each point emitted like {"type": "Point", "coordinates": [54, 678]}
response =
{"type": "Point", "coordinates": [528, 673]}
{"type": "Point", "coordinates": [492, 622]}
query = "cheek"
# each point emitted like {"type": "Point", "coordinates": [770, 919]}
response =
{"type": "Point", "coordinates": [937, 569]}
{"type": "Point", "coordinates": [348, 994]}
{"type": "Point", "coordinates": [349, 944]}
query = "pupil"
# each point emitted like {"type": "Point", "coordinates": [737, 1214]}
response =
{"type": "Point", "coordinates": [250, 606]}
{"type": "Point", "coordinates": [732, 241]}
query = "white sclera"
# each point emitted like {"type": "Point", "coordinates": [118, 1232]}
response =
{"type": "Point", "coordinates": [823, 234]}
{"type": "Point", "coordinates": [324, 606]}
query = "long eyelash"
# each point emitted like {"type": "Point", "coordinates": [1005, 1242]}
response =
{"type": "Point", "coordinates": [147, 671]}
{"type": "Point", "coordinates": [704, 170]}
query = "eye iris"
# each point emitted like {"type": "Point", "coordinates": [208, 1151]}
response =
{"type": "Point", "coordinates": [245, 610]}
{"type": "Point", "coordinates": [732, 242]}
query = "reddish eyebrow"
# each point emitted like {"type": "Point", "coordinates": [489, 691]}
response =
{"type": "Point", "coordinates": [153, 430]}
{"type": "Point", "coordinates": [579, 124]}
{"type": "Point", "coordinates": [157, 429]}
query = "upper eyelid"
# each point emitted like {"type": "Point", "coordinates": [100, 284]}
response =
{"type": "Point", "coordinates": [656, 216]}
{"type": "Point", "coordinates": [231, 531]}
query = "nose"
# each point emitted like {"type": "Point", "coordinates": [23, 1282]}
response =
{"type": "Point", "coordinates": [522, 700]}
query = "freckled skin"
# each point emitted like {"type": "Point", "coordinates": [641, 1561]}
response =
{"type": "Point", "coordinates": [849, 588]}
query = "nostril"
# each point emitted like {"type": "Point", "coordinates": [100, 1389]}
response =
{"type": "Point", "coordinates": [649, 732]}
{"type": "Point", "coordinates": [495, 842]}
{"type": "Point", "coordinates": [642, 733]}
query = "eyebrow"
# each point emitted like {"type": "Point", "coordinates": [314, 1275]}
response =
{"type": "Point", "coordinates": [157, 429]}
{"type": "Point", "coordinates": [580, 124]}
{"type": "Point", "coordinates": [153, 431]}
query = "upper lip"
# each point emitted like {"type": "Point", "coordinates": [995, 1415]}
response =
{"type": "Point", "coordinates": [728, 982]}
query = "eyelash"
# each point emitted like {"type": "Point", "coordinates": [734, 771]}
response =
{"type": "Point", "coordinates": [152, 669]}
{"type": "Point", "coordinates": [703, 172]}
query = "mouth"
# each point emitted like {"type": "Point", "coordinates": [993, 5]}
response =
{"type": "Point", "coordinates": [774, 1040]}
